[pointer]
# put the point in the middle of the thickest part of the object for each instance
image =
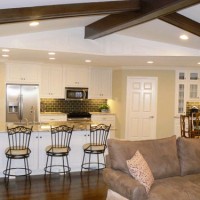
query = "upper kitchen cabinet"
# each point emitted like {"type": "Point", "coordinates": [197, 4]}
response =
{"type": "Point", "coordinates": [76, 76]}
{"type": "Point", "coordinates": [187, 88]}
{"type": "Point", "coordinates": [51, 82]}
{"type": "Point", "coordinates": [22, 73]}
{"type": "Point", "coordinates": [100, 83]}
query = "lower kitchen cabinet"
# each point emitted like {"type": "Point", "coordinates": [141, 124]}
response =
{"type": "Point", "coordinates": [38, 143]}
{"type": "Point", "coordinates": [76, 154]}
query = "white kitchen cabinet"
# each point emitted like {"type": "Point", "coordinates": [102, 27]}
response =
{"type": "Point", "coordinates": [187, 89]}
{"type": "Point", "coordinates": [76, 154]}
{"type": "Point", "coordinates": [76, 77]}
{"type": "Point", "coordinates": [100, 83]}
{"type": "Point", "coordinates": [53, 117]}
{"type": "Point", "coordinates": [105, 119]}
{"type": "Point", "coordinates": [37, 160]}
{"type": "Point", "coordinates": [23, 73]}
{"type": "Point", "coordinates": [52, 82]}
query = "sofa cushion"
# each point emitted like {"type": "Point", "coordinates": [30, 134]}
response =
{"type": "Point", "coordinates": [140, 170]}
{"type": "Point", "coordinates": [189, 155]}
{"type": "Point", "coordinates": [160, 154]}
{"type": "Point", "coordinates": [176, 188]}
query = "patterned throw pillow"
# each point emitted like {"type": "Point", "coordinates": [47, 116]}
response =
{"type": "Point", "coordinates": [140, 170]}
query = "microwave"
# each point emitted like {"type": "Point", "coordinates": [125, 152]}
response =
{"type": "Point", "coordinates": [76, 93]}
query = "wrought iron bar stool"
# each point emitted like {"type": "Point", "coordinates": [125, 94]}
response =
{"type": "Point", "coordinates": [19, 139]}
{"type": "Point", "coordinates": [96, 146]}
{"type": "Point", "coordinates": [60, 147]}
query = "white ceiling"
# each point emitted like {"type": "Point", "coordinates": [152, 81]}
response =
{"type": "Point", "coordinates": [154, 30]}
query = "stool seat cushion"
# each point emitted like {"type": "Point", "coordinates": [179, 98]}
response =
{"type": "Point", "coordinates": [91, 147]}
{"type": "Point", "coordinates": [57, 149]}
{"type": "Point", "coordinates": [17, 151]}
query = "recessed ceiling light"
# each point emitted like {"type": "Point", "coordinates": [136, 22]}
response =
{"type": "Point", "coordinates": [52, 58]}
{"type": "Point", "coordinates": [5, 50]}
{"type": "Point", "coordinates": [52, 53]}
{"type": "Point", "coordinates": [150, 62]}
{"type": "Point", "coordinates": [184, 37]}
{"type": "Point", "coordinates": [34, 23]}
{"type": "Point", "coordinates": [5, 55]}
{"type": "Point", "coordinates": [198, 63]}
{"type": "Point", "coordinates": [88, 61]}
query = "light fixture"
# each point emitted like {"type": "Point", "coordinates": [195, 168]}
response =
{"type": "Point", "coordinates": [5, 55]}
{"type": "Point", "coordinates": [52, 53]}
{"type": "Point", "coordinates": [88, 61]}
{"type": "Point", "coordinates": [184, 37]}
{"type": "Point", "coordinates": [150, 62]}
{"type": "Point", "coordinates": [52, 58]}
{"type": "Point", "coordinates": [6, 50]}
{"type": "Point", "coordinates": [198, 63]}
{"type": "Point", "coordinates": [34, 23]}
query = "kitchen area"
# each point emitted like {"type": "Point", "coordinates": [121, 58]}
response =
{"type": "Point", "coordinates": [45, 96]}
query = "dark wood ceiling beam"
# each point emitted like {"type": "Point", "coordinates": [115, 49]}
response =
{"type": "Point", "coordinates": [182, 22]}
{"type": "Point", "coordinates": [150, 9]}
{"type": "Point", "coordinates": [66, 10]}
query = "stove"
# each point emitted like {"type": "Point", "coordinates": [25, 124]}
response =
{"type": "Point", "coordinates": [79, 116]}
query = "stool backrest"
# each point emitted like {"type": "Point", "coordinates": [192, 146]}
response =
{"type": "Point", "coordinates": [99, 134]}
{"type": "Point", "coordinates": [19, 137]}
{"type": "Point", "coordinates": [185, 125]}
{"type": "Point", "coordinates": [61, 136]}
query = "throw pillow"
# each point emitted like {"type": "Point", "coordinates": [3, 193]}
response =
{"type": "Point", "coordinates": [140, 170]}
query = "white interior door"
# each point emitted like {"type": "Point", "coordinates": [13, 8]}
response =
{"type": "Point", "coordinates": [141, 103]}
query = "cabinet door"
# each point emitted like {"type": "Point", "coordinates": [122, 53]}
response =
{"type": "Point", "coordinates": [193, 86]}
{"type": "Point", "coordinates": [23, 73]}
{"type": "Point", "coordinates": [56, 82]}
{"type": "Point", "coordinates": [76, 77]}
{"type": "Point", "coordinates": [100, 84]}
{"type": "Point", "coordinates": [76, 154]}
{"type": "Point", "coordinates": [44, 141]}
{"type": "Point", "coordinates": [51, 82]}
{"type": "Point", "coordinates": [45, 83]}
{"type": "Point", "coordinates": [38, 143]}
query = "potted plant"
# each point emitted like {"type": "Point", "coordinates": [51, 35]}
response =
{"type": "Point", "coordinates": [104, 108]}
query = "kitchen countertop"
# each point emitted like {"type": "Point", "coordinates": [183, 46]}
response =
{"type": "Point", "coordinates": [61, 113]}
{"type": "Point", "coordinates": [45, 126]}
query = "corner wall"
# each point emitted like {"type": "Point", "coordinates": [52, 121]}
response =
{"type": "Point", "coordinates": [165, 99]}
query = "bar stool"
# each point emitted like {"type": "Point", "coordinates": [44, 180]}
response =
{"type": "Point", "coordinates": [60, 147]}
{"type": "Point", "coordinates": [96, 146]}
{"type": "Point", "coordinates": [19, 139]}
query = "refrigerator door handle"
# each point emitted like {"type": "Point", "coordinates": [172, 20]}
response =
{"type": "Point", "coordinates": [20, 107]}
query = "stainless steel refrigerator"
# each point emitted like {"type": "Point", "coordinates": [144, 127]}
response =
{"type": "Point", "coordinates": [22, 103]}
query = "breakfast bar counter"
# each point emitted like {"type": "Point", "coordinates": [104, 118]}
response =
{"type": "Point", "coordinates": [41, 138]}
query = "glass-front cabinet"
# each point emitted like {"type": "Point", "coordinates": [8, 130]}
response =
{"type": "Point", "coordinates": [187, 89]}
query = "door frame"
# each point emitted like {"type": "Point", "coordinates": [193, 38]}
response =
{"type": "Point", "coordinates": [156, 97]}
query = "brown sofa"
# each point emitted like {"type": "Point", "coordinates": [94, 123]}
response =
{"type": "Point", "coordinates": [175, 165]}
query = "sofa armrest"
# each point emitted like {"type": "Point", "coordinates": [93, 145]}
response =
{"type": "Point", "coordinates": [124, 184]}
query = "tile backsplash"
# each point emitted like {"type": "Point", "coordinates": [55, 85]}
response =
{"type": "Point", "coordinates": [62, 105]}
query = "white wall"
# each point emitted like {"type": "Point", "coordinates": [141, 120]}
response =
{"type": "Point", "coordinates": [165, 99]}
